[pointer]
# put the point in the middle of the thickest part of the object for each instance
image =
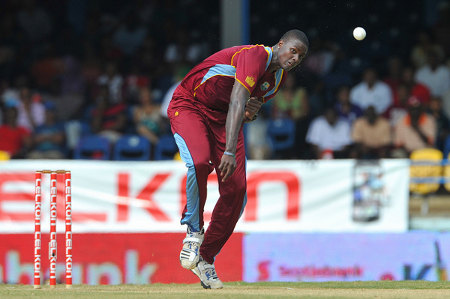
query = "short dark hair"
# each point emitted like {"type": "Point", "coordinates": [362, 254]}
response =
{"type": "Point", "coordinates": [296, 34]}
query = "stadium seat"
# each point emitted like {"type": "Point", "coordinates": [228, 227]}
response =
{"type": "Point", "coordinates": [281, 134]}
{"type": "Point", "coordinates": [132, 148]}
{"type": "Point", "coordinates": [93, 147]}
{"type": "Point", "coordinates": [425, 174]}
{"type": "Point", "coordinates": [425, 170]}
{"type": "Point", "coordinates": [166, 148]}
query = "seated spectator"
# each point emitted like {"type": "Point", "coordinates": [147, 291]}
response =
{"type": "Point", "coordinates": [417, 89]}
{"type": "Point", "coordinates": [48, 139]}
{"type": "Point", "coordinates": [399, 109]}
{"type": "Point", "coordinates": [394, 69]}
{"type": "Point", "coordinates": [31, 110]}
{"type": "Point", "coordinates": [442, 122]}
{"type": "Point", "coordinates": [292, 102]}
{"type": "Point", "coordinates": [15, 140]}
{"type": "Point", "coordinates": [344, 107]}
{"type": "Point", "coordinates": [371, 135]}
{"type": "Point", "coordinates": [108, 118]}
{"type": "Point", "coordinates": [424, 43]}
{"type": "Point", "coordinates": [329, 136]}
{"type": "Point", "coordinates": [130, 35]}
{"type": "Point", "coordinates": [371, 92]}
{"type": "Point", "coordinates": [147, 117]}
{"type": "Point", "coordinates": [408, 87]}
{"type": "Point", "coordinates": [435, 75]}
{"type": "Point", "coordinates": [114, 80]}
{"type": "Point", "coordinates": [416, 130]}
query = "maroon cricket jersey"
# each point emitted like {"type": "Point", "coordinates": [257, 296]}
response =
{"type": "Point", "coordinates": [210, 82]}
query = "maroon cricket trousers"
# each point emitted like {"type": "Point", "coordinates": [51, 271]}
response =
{"type": "Point", "coordinates": [200, 135]}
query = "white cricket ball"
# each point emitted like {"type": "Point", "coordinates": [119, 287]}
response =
{"type": "Point", "coordinates": [359, 33]}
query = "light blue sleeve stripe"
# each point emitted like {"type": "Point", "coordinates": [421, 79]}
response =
{"type": "Point", "coordinates": [269, 49]}
{"type": "Point", "coordinates": [278, 76]}
{"type": "Point", "coordinates": [219, 69]}
{"type": "Point", "coordinates": [191, 217]}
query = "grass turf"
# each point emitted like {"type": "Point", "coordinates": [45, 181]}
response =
{"type": "Point", "coordinates": [360, 289]}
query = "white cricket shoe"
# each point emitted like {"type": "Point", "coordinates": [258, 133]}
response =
{"type": "Point", "coordinates": [207, 274]}
{"type": "Point", "coordinates": [189, 255]}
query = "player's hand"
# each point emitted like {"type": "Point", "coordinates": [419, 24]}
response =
{"type": "Point", "coordinates": [252, 107]}
{"type": "Point", "coordinates": [227, 166]}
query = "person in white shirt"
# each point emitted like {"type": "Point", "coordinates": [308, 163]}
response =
{"type": "Point", "coordinates": [329, 136]}
{"type": "Point", "coordinates": [434, 75]}
{"type": "Point", "coordinates": [371, 92]}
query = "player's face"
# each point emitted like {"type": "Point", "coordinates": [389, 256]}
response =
{"type": "Point", "coordinates": [291, 53]}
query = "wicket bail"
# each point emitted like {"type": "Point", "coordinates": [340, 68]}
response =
{"type": "Point", "coordinates": [53, 215]}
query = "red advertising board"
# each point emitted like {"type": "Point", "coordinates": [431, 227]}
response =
{"type": "Point", "coordinates": [114, 258]}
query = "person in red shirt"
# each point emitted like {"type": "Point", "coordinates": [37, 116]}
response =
{"type": "Point", "coordinates": [206, 115]}
{"type": "Point", "coordinates": [14, 140]}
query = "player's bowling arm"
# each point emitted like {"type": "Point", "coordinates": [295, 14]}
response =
{"type": "Point", "coordinates": [235, 117]}
{"type": "Point", "coordinates": [236, 110]}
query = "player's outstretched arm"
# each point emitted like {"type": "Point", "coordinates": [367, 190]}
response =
{"type": "Point", "coordinates": [239, 97]}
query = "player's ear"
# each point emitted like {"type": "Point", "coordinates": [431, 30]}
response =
{"type": "Point", "coordinates": [280, 43]}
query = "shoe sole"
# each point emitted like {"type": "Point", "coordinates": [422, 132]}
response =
{"type": "Point", "coordinates": [204, 285]}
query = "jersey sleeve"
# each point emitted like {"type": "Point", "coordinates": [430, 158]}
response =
{"type": "Point", "coordinates": [250, 64]}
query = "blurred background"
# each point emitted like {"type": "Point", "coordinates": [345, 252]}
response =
{"type": "Point", "coordinates": [85, 84]}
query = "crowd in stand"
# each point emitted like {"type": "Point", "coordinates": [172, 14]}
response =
{"type": "Point", "coordinates": [108, 68]}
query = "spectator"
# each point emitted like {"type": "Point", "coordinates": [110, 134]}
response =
{"type": "Point", "coordinates": [292, 102]}
{"type": "Point", "coordinates": [113, 80]}
{"type": "Point", "coordinates": [329, 135]}
{"type": "Point", "coordinates": [371, 135]}
{"type": "Point", "coordinates": [108, 118]}
{"type": "Point", "coordinates": [182, 50]}
{"type": "Point", "coordinates": [147, 118]}
{"type": "Point", "coordinates": [344, 107]}
{"type": "Point", "coordinates": [393, 78]}
{"type": "Point", "coordinates": [257, 143]}
{"type": "Point", "coordinates": [15, 139]}
{"type": "Point", "coordinates": [417, 89]}
{"type": "Point", "coordinates": [371, 92]}
{"type": "Point", "coordinates": [130, 35]}
{"type": "Point", "coordinates": [435, 75]}
{"type": "Point", "coordinates": [424, 43]}
{"type": "Point", "coordinates": [407, 87]}
{"type": "Point", "coordinates": [416, 130]}
{"type": "Point", "coordinates": [48, 138]}
{"type": "Point", "coordinates": [31, 110]}
{"type": "Point", "coordinates": [442, 122]}
{"type": "Point", "coordinates": [399, 109]}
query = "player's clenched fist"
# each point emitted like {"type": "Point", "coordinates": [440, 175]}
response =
{"type": "Point", "coordinates": [251, 108]}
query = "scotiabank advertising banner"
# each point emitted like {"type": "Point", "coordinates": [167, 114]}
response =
{"type": "Point", "coordinates": [346, 256]}
{"type": "Point", "coordinates": [282, 196]}
{"type": "Point", "coordinates": [114, 258]}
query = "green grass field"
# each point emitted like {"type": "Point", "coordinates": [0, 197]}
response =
{"type": "Point", "coordinates": [369, 289]}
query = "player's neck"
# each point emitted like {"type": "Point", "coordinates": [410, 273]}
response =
{"type": "Point", "coordinates": [273, 66]}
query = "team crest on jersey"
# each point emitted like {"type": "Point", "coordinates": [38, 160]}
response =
{"type": "Point", "coordinates": [250, 81]}
{"type": "Point", "coordinates": [265, 86]}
